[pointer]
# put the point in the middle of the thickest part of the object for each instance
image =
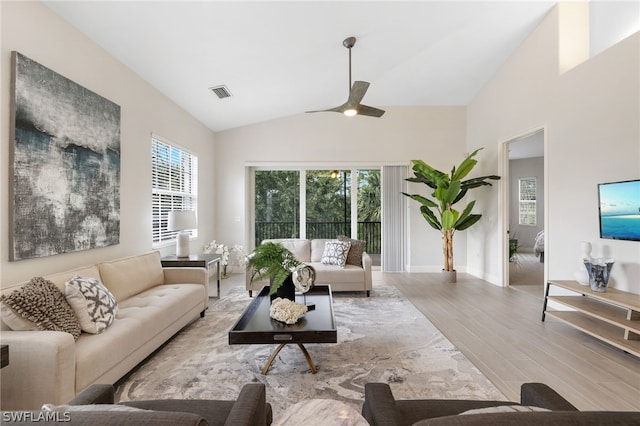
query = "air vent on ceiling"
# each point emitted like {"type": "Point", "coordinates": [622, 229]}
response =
{"type": "Point", "coordinates": [221, 91]}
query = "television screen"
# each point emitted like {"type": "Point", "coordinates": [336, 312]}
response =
{"type": "Point", "coordinates": [620, 210]}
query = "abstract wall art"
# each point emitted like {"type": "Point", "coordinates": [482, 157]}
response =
{"type": "Point", "coordinates": [65, 194]}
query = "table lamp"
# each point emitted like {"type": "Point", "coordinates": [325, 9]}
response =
{"type": "Point", "coordinates": [181, 221]}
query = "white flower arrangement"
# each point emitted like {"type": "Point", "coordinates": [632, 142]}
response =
{"type": "Point", "coordinates": [225, 252]}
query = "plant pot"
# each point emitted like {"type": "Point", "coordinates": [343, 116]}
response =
{"type": "Point", "coordinates": [286, 291]}
{"type": "Point", "coordinates": [448, 276]}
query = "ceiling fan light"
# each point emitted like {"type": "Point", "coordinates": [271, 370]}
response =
{"type": "Point", "coordinates": [350, 112]}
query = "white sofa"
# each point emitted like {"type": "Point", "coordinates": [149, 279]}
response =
{"type": "Point", "coordinates": [349, 278]}
{"type": "Point", "coordinates": [154, 303]}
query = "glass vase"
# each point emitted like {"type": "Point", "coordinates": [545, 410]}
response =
{"type": "Point", "coordinates": [599, 271]}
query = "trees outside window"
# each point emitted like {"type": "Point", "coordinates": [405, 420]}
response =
{"type": "Point", "coordinates": [277, 204]}
{"type": "Point", "coordinates": [326, 204]}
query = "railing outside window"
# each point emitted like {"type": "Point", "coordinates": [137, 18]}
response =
{"type": "Point", "coordinates": [369, 231]}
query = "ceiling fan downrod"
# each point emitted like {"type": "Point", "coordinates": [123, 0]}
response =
{"type": "Point", "coordinates": [349, 42]}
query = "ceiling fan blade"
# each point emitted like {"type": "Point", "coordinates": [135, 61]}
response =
{"type": "Point", "coordinates": [370, 111]}
{"type": "Point", "coordinates": [357, 92]}
{"type": "Point", "coordinates": [340, 109]}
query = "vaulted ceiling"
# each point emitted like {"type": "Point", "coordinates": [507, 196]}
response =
{"type": "Point", "coordinates": [283, 58]}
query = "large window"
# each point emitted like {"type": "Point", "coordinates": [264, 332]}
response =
{"type": "Point", "coordinates": [174, 186]}
{"type": "Point", "coordinates": [318, 204]}
{"type": "Point", "coordinates": [328, 203]}
{"type": "Point", "coordinates": [527, 188]}
{"type": "Point", "coordinates": [277, 204]}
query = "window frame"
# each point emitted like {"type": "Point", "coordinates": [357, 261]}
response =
{"type": "Point", "coordinates": [175, 190]}
{"type": "Point", "coordinates": [527, 208]}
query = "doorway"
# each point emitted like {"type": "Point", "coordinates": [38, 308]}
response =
{"type": "Point", "coordinates": [525, 212]}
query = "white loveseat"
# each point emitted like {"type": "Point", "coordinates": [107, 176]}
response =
{"type": "Point", "coordinates": [154, 303]}
{"type": "Point", "coordinates": [349, 278]}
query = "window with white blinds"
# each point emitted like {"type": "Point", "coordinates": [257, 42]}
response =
{"type": "Point", "coordinates": [174, 186]}
{"type": "Point", "coordinates": [527, 201]}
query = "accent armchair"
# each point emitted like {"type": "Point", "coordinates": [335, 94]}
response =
{"type": "Point", "coordinates": [382, 409]}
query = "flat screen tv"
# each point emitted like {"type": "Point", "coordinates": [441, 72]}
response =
{"type": "Point", "coordinates": [620, 210]}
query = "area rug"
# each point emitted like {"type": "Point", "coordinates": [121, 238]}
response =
{"type": "Point", "coordinates": [382, 338]}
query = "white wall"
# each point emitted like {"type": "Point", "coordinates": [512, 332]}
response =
{"type": "Point", "coordinates": [593, 135]}
{"type": "Point", "coordinates": [35, 31]}
{"type": "Point", "coordinates": [433, 134]}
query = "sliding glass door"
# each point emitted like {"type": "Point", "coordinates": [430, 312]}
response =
{"type": "Point", "coordinates": [369, 210]}
{"type": "Point", "coordinates": [328, 203]}
{"type": "Point", "coordinates": [318, 203]}
{"type": "Point", "coordinates": [277, 204]}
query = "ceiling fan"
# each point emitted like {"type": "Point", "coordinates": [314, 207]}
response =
{"type": "Point", "coordinates": [356, 93]}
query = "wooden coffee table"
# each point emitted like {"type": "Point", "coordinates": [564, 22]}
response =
{"type": "Point", "coordinates": [255, 326]}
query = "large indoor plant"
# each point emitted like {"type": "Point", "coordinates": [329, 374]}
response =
{"type": "Point", "coordinates": [438, 209]}
{"type": "Point", "coordinates": [273, 261]}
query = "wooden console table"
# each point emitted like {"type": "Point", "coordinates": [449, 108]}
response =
{"type": "Point", "coordinates": [613, 316]}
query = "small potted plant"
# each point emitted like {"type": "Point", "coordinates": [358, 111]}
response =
{"type": "Point", "coordinates": [273, 261]}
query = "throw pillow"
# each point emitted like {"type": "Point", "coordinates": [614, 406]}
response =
{"type": "Point", "coordinates": [16, 322]}
{"type": "Point", "coordinates": [93, 303]}
{"type": "Point", "coordinates": [42, 303]}
{"type": "Point", "coordinates": [335, 253]}
{"type": "Point", "coordinates": [504, 409]}
{"type": "Point", "coordinates": [355, 252]}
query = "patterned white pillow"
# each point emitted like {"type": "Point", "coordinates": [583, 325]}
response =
{"type": "Point", "coordinates": [335, 252]}
{"type": "Point", "coordinates": [93, 303]}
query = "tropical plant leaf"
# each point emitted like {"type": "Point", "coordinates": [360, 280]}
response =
{"type": "Point", "coordinates": [452, 192]}
{"type": "Point", "coordinates": [461, 194]}
{"type": "Point", "coordinates": [422, 200]}
{"type": "Point", "coordinates": [428, 172]}
{"type": "Point", "coordinates": [469, 221]}
{"type": "Point", "coordinates": [466, 166]}
{"type": "Point", "coordinates": [449, 218]}
{"type": "Point", "coordinates": [419, 178]}
{"type": "Point", "coordinates": [466, 212]}
{"type": "Point", "coordinates": [431, 218]}
{"type": "Point", "coordinates": [480, 181]}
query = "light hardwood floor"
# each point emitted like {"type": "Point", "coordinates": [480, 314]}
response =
{"type": "Point", "coordinates": [500, 331]}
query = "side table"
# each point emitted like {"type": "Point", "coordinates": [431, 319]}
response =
{"type": "Point", "coordinates": [201, 260]}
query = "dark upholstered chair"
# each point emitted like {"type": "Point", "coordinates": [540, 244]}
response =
{"type": "Point", "coordinates": [250, 409]}
{"type": "Point", "coordinates": [382, 409]}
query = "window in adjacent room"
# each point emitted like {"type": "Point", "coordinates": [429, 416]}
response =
{"type": "Point", "coordinates": [527, 188]}
{"type": "Point", "coordinates": [174, 186]}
